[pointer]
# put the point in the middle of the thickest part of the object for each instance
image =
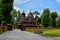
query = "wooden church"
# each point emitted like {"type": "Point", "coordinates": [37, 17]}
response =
{"type": "Point", "coordinates": [27, 21]}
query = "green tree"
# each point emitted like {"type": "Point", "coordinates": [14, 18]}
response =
{"type": "Point", "coordinates": [36, 13]}
{"type": "Point", "coordinates": [58, 21]}
{"type": "Point", "coordinates": [45, 18]}
{"type": "Point", "coordinates": [13, 14]}
{"type": "Point", "coordinates": [19, 16]}
{"type": "Point", "coordinates": [1, 17]}
{"type": "Point", "coordinates": [53, 17]}
{"type": "Point", "coordinates": [5, 8]}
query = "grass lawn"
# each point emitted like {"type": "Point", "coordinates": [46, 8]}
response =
{"type": "Point", "coordinates": [1, 31]}
{"type": "Point", "coordinates": [49, 33]}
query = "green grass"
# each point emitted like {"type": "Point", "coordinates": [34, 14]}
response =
{"type": "Point", "coordinates": [51, 33]}
{"type": "Point", "coordinates": [1, 31]}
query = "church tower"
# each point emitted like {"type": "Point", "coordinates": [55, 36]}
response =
{"type": "Point", "coordinates": [23, 17]}
{"type": "Point", "coordinates": [30, 16]}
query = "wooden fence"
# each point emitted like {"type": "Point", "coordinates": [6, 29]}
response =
{"type": "Point", "coordinates": [3, 28]}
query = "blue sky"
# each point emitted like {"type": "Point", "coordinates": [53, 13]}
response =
{"type": "Point", "coordinates": [37, 5]}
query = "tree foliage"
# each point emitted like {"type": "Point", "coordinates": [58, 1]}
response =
{"type": "Point", "coordinates": [53, 17]}
{"type": "Point", "coordinates": [5, 8]}
{"type": "Point", "coordinates": [45, 18]}
{"type": "Point", "coordinates": [19, 15]}
{"type": "Point", "coordinates": [36, 13]}
{"type": "Point", "coordinates": [13, 14]}
{"type": "Point", "coordinates": [58, 21]}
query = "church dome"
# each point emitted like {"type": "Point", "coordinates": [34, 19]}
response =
{"type": "Point", "coordinates": [30, 15]}
{"type": "Point", "coordinates": [23, 13]}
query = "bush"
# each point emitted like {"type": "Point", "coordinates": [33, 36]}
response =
{"type": "Point", "coordinates": [38, 31]}
{"type": "Point", "coordinates": [1, 31]}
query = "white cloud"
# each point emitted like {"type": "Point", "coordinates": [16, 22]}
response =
{"type": "Point", "coordinates": [58, 1]}
{"type": "Point", "coordinates": [41, 11]}
{"type": "Point", "coordinates": [20, 1]}
{"type": "Point", "coordinates": [16, 8]}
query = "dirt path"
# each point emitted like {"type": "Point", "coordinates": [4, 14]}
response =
{"type": "Point", "coordinates": [21, 35]}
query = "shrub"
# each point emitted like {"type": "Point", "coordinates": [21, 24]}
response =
{"type": "Point", "coordinates": [38, 31]}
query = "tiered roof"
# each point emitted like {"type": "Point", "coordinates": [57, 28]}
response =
{"type": "Point", "coordinates": [30, 17]}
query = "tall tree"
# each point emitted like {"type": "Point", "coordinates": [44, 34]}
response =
{"type": "Point", "coordinates": [5, 8]}
{"type": "Point", "coordinates": [13, 14]}
{"type": "Point", "coordinates": [58, 21]}
{"type": "Point", "coordinates": [36, 13]}
{"type": "Point", "coordinates": [45, 18]}
{"type": "Point", "coordinates": [53, 17]}
{"type": "Point", "coordinates": [19, 16]}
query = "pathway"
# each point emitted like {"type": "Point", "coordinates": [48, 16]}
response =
{"type": "Point", "coordinates": [22, 35]}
